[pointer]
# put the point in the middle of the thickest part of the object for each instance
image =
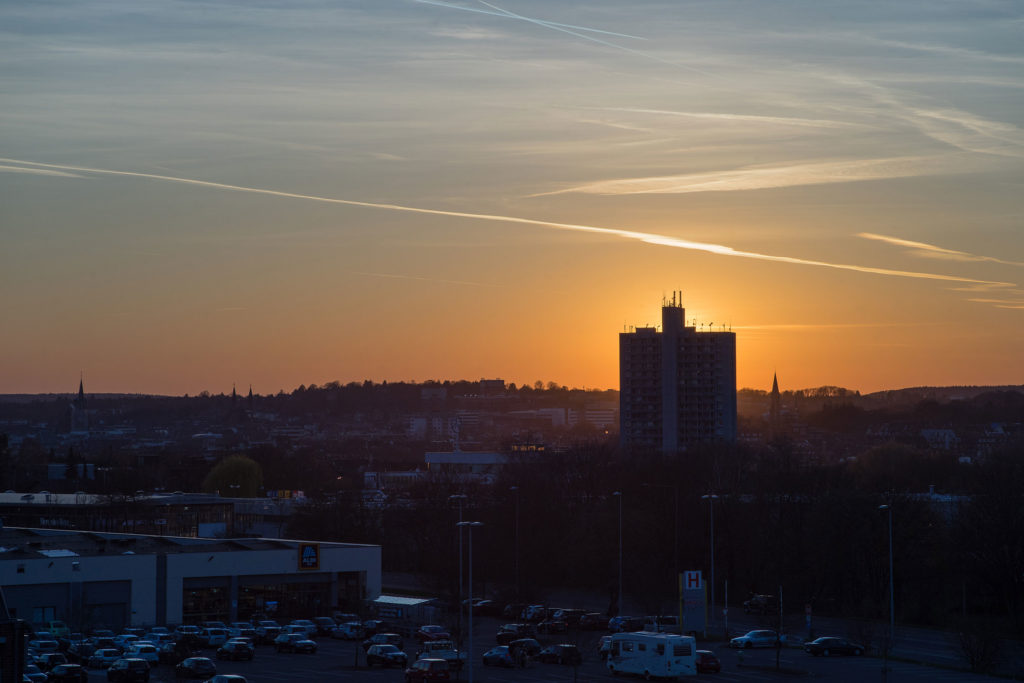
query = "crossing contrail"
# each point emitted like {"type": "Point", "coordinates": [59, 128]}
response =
{"type": "Point", "coordinates": [645, 237]}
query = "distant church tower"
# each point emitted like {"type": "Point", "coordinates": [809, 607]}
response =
{"type": "Point", "coordinates": [78, 416]}
{"type": "Point", "coordinates": [775, 409]}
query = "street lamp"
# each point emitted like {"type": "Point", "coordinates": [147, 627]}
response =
{"type": "Point", "coordinates": [515, 490]}
{"type": "Point", "coordinates": [711, 498]}
{"type": "Point", "coordinates": [618, 494]}
{"type": "Point", "coordinates": [459, 497]}
{"type": "Point", "coordinates": [892, 596]}
{"type": "Point", "coordinates": [675, 538]}
{"type": "Point", "coordinates": [469, 657]}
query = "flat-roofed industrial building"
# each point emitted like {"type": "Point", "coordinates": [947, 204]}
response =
{"type": "Point", "coordinates": [109, 580]}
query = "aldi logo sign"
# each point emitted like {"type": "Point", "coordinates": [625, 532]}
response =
{"type": "Point", "coordinates": [309, 556]}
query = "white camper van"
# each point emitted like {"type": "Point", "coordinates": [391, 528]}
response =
{"type": "Point", "coordinates": [653, 655]}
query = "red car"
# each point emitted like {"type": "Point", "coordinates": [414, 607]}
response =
{"type": "Point", "coordinates": [707, 662]}
{"type": "Point", "coordinates": [427, 670]}
{"type": "Point", "coordinates": [432, 632]}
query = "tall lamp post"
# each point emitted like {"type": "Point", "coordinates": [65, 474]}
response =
{"type": "Point", "coordinates": [515, 490]}
{"type": "Point", "coordinates": [459, 498]}
{"type": "Point", "coordinates": [469, 658]}
{"type": "Point", "coordinates": [711, 498]}
{"type": "Point", "coordinates": [618, 494]}
{"type": "Point", "coordinates": [892, 599]}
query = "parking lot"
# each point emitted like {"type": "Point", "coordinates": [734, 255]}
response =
{"type": "Point", "coordinates": [335, 660]}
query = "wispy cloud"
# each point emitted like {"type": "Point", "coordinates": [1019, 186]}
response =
{"type": "Point", "coordinates": [645, 237]}
{"type": "Point", "coordinates": [498, 12]}
{"type": "Point", "coordinates": [1014, 304]}
{"type": "Point", "coordinates": [741, 118]}
{"type": "Point", "coordinates": [768, 178]}
{"type": "Point", "coordinates": [581, 32]}
{"type": "Point", "coordinates": [926, 250]}
{"type": "Point", "coordinates": [37, 171]}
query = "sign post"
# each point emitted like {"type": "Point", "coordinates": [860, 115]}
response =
{"type": "Point", "coordinates": [693, 591]}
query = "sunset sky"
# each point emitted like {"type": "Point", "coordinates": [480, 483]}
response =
{"type": "Point", "coordinates": [195, 194]}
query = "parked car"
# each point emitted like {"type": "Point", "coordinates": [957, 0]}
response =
{"type": "Point", "coordinates": [432, 632]}
{"type": "Point", "coordinates": [529, 646]}
{"type": "Point", "coordinates": [427, 670]}
{"type": "Point", "coordinates": [563, 653]}
{"type": "Point", "coordinates": [236, 650]}
{"type": "Point", "coordinates": [48, 660]}
{"type": "Point", "coordinates": [58, 629]}
{"type": "Point", "coordinates": [443, 649]}
{"type": "Point", "coordinates": [499, 655]}
{"type": "Point", "coordinates": [103, 658]}
{"type": "Point", "coordinates": [226, 678]}
{"type": "Point", "coordinates": [384, 639]}
{"type": "Point", "coordinates": [267, 630]}
{"type": "Point", "coordinates": [512, 610]}
{"type": "Point", "coordinates": [128, 670]}
{"type": "Point", "coordinates": [342, 617]}
{"type": "Point", "coordinates": [310, 628]}
{"type": "Point", "coordinates": [761, 604]}
{"type": "Point", "coordinates": [661, 624]}
{"type": "Point", "coordinates": [172, 653]}
{"type": "Point", "coordinates": [324, 625]}
{"type": "Point", "coordinates": [143, 650]}
{"type": "Point", "coordinates": [604, 644]}
{"type": "Point", "coordinates": [34, 674]}
{"type": "Point", "coordinates": [125, 640]}
{"type": "Point", "coordinates": [707, 662]}
{"type": "Point", "coordinates": [190, 633]}
{"type": "Point", "coordinates": [80, 652]}
{"type": "Point", "coordinates": [533, 613]}
{"type": "Point", "coordinates": [509, 632]}
{"type": "Point", "coordinates": [40, 646]}
{"type": "Point", "coordinates": [386, 655]}
{"type": "Point", "coordinates": [569, 616]}
{"type": "Point", "coordinates": [349, 630]}
{"type": "Point", "coordinates": [68, 673]}
{"type": "Point", "coordinates": [593, 621]}
{"type": "Point", "coordinates": [625, 624]}
{"type": "Point", "coordinates": [827, 646]}
{"type": "Point", "coordinates": [212, 636]}
{"type": "Point", "coordinates": [215, 624]}
{"type": "Point", "coordinates": [371, 626]}
{"type": "Point", "coordinates": [294, 642]}
{"type": "Point", "coordinates": [195, 668]}
{"type": "Point", "coordinates": [763, 638]}
{"type": "Point", "coordinates": [552, 626]}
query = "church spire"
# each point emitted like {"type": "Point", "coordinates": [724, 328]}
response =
{"type": "Point", "coordinates": [775, 409]}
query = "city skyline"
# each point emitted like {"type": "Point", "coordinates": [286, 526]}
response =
{"type": "Point", "coordinates": [195, 195]}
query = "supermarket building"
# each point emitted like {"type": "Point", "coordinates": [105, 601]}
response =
{"type": "Point", "coordinates": [109, 580]}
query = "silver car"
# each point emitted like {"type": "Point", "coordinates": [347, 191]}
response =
{"type": "Point", "coordinates": [762, 638]}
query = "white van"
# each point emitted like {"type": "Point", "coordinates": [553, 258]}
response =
{"type": "Point", "coordinates": [652, 655]}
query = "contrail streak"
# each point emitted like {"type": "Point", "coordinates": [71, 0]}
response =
{"type": "Point", "coordinates": [503, 13]}
{"type": "Point", "coordinates": [648, 238]}
{"type": "Point", "coordinates": [934, 251]}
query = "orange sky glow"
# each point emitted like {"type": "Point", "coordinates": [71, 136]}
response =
{"type": "Point", "coordinates": [195, 198]}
